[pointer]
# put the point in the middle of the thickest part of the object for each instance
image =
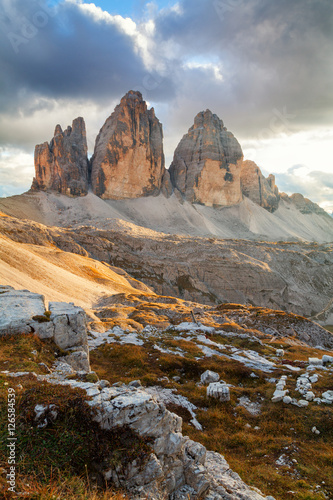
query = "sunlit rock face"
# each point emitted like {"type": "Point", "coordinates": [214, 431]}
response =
{"type": "Point", "coordinates": [255, 186]}
{"type": "Point", "coordinates": [207, 163]}
{"type": "Point", "coordinates": [128, 160]}
{"type": "Point", "coordinates": [62, 165]}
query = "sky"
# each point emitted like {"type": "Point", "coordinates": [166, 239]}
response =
{"type": "Point", "coordinates": [263, 66]}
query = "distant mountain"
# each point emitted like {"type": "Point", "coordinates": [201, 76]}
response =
{"type": "Point", "coordinates": [208, 167]}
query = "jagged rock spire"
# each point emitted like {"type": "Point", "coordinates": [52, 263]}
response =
{"type": "Point", "coordinates": [128, 160]}
{"type": "Point", "coordinates": [62, 164]}
{"type": "Point", "coordinates": [207, 162]}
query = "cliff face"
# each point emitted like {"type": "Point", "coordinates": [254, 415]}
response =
{"type": "Point", "coordinates": [207, 163]}
{"type": "Point", "coordinates": [255, 186]}
{"type": "Point", "coordinates": [128, 160]}
{"type": "Point", "coordinates": [63, 165]}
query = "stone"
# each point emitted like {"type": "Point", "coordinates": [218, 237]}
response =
{"type": "Point", "coordinates": [104, 384]}
{"type": "Point", "coordinates": [62, 165]}
{"type": "Point", "coordinates": [279, 352]}
{"type": "Point", "coordinates": [45, 414]}
{"type": "Point", "coordinates": [219, 391]}
{"type": "Point", "coordinates": [302, 403]}
{"type": "Point", "coordinates": [128, 160]}
{"type": "Point", "coordinates": [278, 396]}
{"type": "Point", "coordinates": [315, 361]}
{"type": "Point", "coordinates": [70, 325]}
{"type": "Point", "coordinates": [226, 484]}
{"type": "Point", "coordinates": [208, 376]}
{"type": "Point", "coordinates": [287, 400]}
{"type": "Point", "coordinates": [135, 383]}
{"type": "Point", "coordinates": [327, 359]}
{"type": "Point", "coordinates": [309, 396]}
{"type": "Point", "coordinates": [328, 396]}
{"type": "Point", "coordinates": [78, 360]}
{"type": "Point", "coordinates": [207, 163]}
{"type": "Point", "coordinates": [314, 378]}
{"type": "Point", "coordinates": [43, 330]}
{"type": "Point", "coordinates": [260, 190]}
{"type": "Point", "coordinates": [18, 307]}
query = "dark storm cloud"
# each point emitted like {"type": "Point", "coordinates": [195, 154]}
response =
{"type": "Point", "coordinates": [65, 53]}
{"type": "Point", "coordinates": [275, 55]}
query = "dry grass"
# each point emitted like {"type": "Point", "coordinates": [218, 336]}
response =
{"type": "Point", "coordinates": [251, 444]}
{"type": "Point", "coordinates": [56, 462]}
{"type": "Point", "coordinates": [25, 352]}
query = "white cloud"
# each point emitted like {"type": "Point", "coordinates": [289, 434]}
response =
{"type": "Point", "coordinates": [215, 69]}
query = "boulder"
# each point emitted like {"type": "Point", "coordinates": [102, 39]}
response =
{"type": "Point", "coordinates": [328, 397]}
{"type": "Point", "coordinates": [70, 325]}
{"type": "Point", "coordinates": [219, 391]}
{"type": "Point", "coordinates": [62, 165]}
{"type": "Point", "coordinates": [278, 395]}
{"type": "Point", "coordinates": [18, 307]}
{"type": "Point", "coordinates": [207, 163]}
{"type": "Point", "coordinates": [128, 160]}
{"type": "Point", "coordinates": [208, 376]}
{"type": "Point", "coordinates": [24, 312]}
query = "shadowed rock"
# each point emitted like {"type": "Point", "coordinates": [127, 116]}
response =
{"type": "Point", "coordinates": [207, 163]}
{"type": "Point", "coordinates": [260, 190]}
{"type": "Point", "coordinates": [62, 165]}
{"type": "Point", "coordinates": [128, 160]}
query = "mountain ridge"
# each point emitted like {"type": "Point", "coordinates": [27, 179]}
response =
{"type": "Point", "coordinates": [128, 163]}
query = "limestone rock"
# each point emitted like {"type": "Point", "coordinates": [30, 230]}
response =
{"type": "Point", "coordinates": [207, 163]}
{"type": "Point", "coordinates": [70, 325]}
{"type": "Point", "coordinates": [78, 360]}
{"type": "Point", "coordinates": [255, 186]}
{"type": "Point", "coordinates": [62, 165]}
{"type": "Point", "coordinates": [128, 160]}
{"type": "Point", "coordinates": [18, 307]}
{"type": "Point", "coordinates": [24, 312]}
{"type": "Point", "coordinates": [219, 391]}
{"type": "Point", "coordinates": [208, 376]}
{"type": "Point", "coordinates": [226, 484]}
{"type": "Point", "coordinates": [306, 206]}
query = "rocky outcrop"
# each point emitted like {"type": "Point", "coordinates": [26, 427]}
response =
{"type": "Point", "coordinates": [25, 312]}
{"type": "Point", "coordinates": [62, 165]}
{"type": "Point", "coordinates": [128, 160]}
{"type": "Point", "coordinates": [255, 186]}
{"type": "Point", "coordinates": [306, 206]}
{"type": "Point", "coordinates": [207, 163]}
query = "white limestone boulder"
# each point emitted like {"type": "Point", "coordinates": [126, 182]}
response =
{"type": "Point", "coordinates": [208, 376]}
{"type": "Point", "coordinates": [18, 307]}
{"type": "Point", "coordinates": [70, 325]}
{"type": "Point", "coordinates": [218, 390]}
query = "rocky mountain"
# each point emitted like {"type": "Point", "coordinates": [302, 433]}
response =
{"type": "Point", "coordinates": [128, 160]}
{"type": "Point", "coordinates": [293, 277]}
{"type": "Point", "coordinates": [62, 164]}
{"type": "Point", "coordinates": [255, 186]}
{"type": "Point", "coordinates": [128, 163]}
{"type": "Point", "coordinates": [165, 399]}
{"type": "Point", "coordinates": [207, 163]}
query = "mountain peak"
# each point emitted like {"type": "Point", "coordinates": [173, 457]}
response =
{"type": "Point", "coordinates": [207, 162]}
{"type": "Point", "coordinates": [62, 164]}
{"type": "Point", "coordinates": [128, 160]}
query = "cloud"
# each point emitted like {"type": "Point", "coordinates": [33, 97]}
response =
{"type": "Point", "coordinates": [264, 67]}
{"type": "Point", "coordinates": [275, 55]}
{"type": "Point", "coordinates": [16, 171]}
{"type": "Point", "coordinates": [77, 52]}
{"type": "Point", "coordinates": [315, 185]}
